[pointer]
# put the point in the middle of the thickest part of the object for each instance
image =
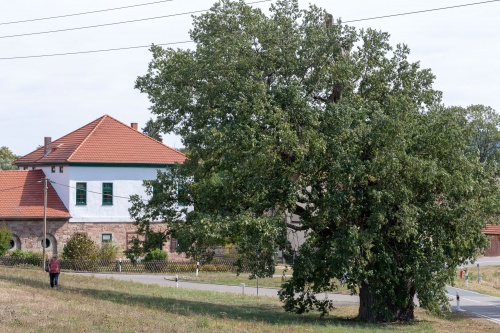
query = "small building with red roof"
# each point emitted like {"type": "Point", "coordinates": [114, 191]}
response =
{"type": "Point", "coordinates": [92, 173]}
{"type": "Point", "coordinates": [22, 207]}
{"type": "Point", "coordinates": [493, 231]}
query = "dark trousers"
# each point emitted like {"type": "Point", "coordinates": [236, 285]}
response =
{"type": "Point", "coordinates": [53, 279]}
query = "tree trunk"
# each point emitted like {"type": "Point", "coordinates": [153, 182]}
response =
{"type": "Point", "coordinates": [374, 308]}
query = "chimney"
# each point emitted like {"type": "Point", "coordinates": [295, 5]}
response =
{"type": "Point", "coordinates": [46, 145]}
{"type": "Point", "coordinates": [134, 126]}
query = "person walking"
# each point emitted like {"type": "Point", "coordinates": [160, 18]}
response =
{"type": "Point", "coordinates": [54, 270]}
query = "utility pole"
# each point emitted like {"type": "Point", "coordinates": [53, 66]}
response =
{"type": "Point", "coordinates": [44, 240]}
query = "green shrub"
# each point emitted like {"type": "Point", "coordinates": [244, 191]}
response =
{"type": "Point", "coordinates": [155, 255]}
{"type": "Point", "coordinates": [18, 254]}
{"type": "Point", "coordinates": [80, 247]}
{"type": "Point", "coordinates": [5, 239]}
{"type": "Point", "coordinates": [107, 252]}
{"type": "Point", "coordinates": [156, 261]}
{"type": "Point", "coordinates": [27, 254]}
{"type": "Point", "coordinates": [182, 267]}
{"type": "Point", "coordinates": [209, 268]}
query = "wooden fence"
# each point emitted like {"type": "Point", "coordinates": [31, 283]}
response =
{"type": "Point", "coordinates": [127, 266]}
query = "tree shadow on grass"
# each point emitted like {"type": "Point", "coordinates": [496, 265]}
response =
{"type": "Point", "coordinates": [267, 313]}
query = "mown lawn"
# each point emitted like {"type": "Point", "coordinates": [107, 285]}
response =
{"type": "Point", "coordinates": [234, 280]}
{"type": "Point", "coordinates": [490, 280]}
{"type": "Point", "coordinates": [87, 304]}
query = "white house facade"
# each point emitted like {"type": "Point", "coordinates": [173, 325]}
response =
{"type": "Point", "coordinates": [93, 171]}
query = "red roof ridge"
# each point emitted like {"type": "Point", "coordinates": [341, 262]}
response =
{"type": "Point", "coordinates": [130, 128]}
{"type": "Point", "coordinates": [175, 150]}
{"type": "Point", "coordinates": [105, 140]}
{"type": "Point", "coordinates": [62, 137]}
{"type": "Point", "coordinates": [88, 135]}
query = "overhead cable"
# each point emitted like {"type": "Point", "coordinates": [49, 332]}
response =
{"type": "Point", "coordinates": [91, 51]}
{"type": "Point", "coordinates": [421, 11]}
{"type": "Point", "coordinates": [84, 13]}
{"type": "Point", "coordinates": [114, 23]}
{"type": "Point", "coordinates": [144, 46]}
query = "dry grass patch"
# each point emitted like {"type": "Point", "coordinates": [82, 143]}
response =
{"type": "Point", "coordinates": [490, 280]}
{"type": "Point", "coordinates": [87, 304]}
{"type": "Point", "coordinates": [231, 279]}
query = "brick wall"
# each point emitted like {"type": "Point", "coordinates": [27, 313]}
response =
{"type": "Point", "coordinates": [29, 234]}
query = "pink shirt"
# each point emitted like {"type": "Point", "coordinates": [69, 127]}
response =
{"type": "Point", "coordinates": [54, 266]}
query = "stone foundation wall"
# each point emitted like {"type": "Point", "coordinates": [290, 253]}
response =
{"type": "Point", "coordinates": [28, 235]}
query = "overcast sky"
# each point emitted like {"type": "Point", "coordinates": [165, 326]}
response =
{"type": "Point", "coordinates": [52, 96]}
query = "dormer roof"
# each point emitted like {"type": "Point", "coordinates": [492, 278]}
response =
{"type": "Point", "coordinates": [104, 141]}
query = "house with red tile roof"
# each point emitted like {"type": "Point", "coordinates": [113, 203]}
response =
{"type": "Point", "coordinates": [22, 207]}
{"type": "Point", "coordinates": [92, 172]}
{"type": "Point", "coordinates": [494, 232]}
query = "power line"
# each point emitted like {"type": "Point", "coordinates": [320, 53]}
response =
{"type": "Point", "coordinates": [172, 43]}
{"type": "Point", "coordinates": [100, 25]}
{"type": "Point", "coordinates": [73, 187]}
{"type": "Point", "coordinates": [91, 51]}
{"type": "Point", "coordinates": [115, 23]}
{"type": "Point", "coordinates": [10, 188]}
{"type": "Point", "coordinates": [421, 11]}
{"type": "Point", "coordinates": [95, 192]}
{"type": "Point", "coordinates": [84, 13]}
{"type": "Point", "coordinates": [88, 191]}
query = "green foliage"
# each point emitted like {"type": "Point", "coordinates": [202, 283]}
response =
{"type": "Point", "coordinates": [149, 240]}
{"type": "Point", "coordinates": [280, 117]}
{"type": "Point", "coordinates": [26, 254]}
{"type": "Point", "coordinates": [156, 254]}
{"type": "Point", "coordinates": [80, 247]}
{"type": "Point", "coordinates": [5, 239]}
{"type": "Point", "coordinates": [484, 124]}
{"type": "Point", "coordinates": [107, 252]}
{"type": "Point", "coordinates": [153, 130]}
{"type": "Point", "coordinates": [6, 159]}
{"type": "Point", "coordinates": [134, 250]}
{"type": "Point", "coordinates": [156, 261]}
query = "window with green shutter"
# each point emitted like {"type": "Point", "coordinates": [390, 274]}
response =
{"type": "Point", "coordinates": [81, 193]}
{"type": "Point", "coordinates": [107, 193]}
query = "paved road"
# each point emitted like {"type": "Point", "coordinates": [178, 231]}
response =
{"type": "Point", "coordinates": [474, 303]}
{"type": "Point", "coordinates": [169, 281]}
{"type": "Point", "coordinates": [477, 304]}
{"type": "Point", "coordinates": [486, 261]}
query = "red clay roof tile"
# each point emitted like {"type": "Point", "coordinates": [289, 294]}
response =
{"type": "Point", "coordinates": [105, 140]}
{"type": "Point", "coordinates": [21, 196]}
{"type": "Point", "coordinates": [491, 229]}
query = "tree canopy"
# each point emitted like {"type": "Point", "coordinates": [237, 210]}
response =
{"type": "Point", "coordinates": [484, 123]}
{"type": "Point", "coordinates": [153, 129]}
{"type": "Point", "coordinates": [6, 159]}
{"type": "Point", "coordinates": [290, 113]}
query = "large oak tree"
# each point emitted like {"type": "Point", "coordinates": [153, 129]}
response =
{"type": "Point", "coordinates": [290, 113]}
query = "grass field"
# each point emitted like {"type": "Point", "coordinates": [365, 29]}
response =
{"type": "Point", "coordinates": [84, 304]}
{"type": "Point", "coordinates": [232, 279]}
{"type": "Point", "coordinates": [490, 280]}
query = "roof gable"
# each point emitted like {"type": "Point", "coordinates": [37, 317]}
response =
{"type": "Point", "coordinates": [105, 140]}
{"type": "Point", "coordinates": [21, 196]}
